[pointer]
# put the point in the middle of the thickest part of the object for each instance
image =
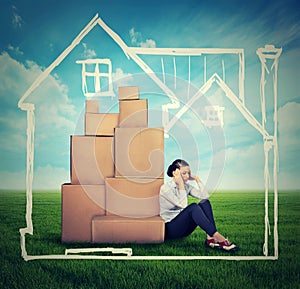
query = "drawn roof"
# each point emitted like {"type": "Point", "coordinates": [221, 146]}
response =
{"type": "Point", "coordinates": [134, 52]}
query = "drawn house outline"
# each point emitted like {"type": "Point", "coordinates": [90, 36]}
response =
{"type": "Point", "coordinates": [270, 141]}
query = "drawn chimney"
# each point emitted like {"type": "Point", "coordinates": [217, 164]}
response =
{"type": "Point", "coordinates": [269, 56]}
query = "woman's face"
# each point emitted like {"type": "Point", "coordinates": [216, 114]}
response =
{"type": "Point", "coordinates": [185, 173]}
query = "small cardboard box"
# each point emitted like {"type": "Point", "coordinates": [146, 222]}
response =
{"type": "Point", "coordinates": [139, 152]}
{"type": "Point", "coordinates": [101, 124]}
{"type": "Point", "coordinates": [79, 205]}
{"type": "Point", "coordinates": [92, 159]}
{"type": "Point", "coordinates": [137, 198]}
{"type": "Point", "coordinates": [133, 113]}
{"type": "Point", "coordinates": [128, 92]}
{"type": "Point", "coordinates": [91, 106]}
{"type": "Point", "coordinates": [114, 229]}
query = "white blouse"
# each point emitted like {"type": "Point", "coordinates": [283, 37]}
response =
{"type": "Point", "coordinates": [173, 201]}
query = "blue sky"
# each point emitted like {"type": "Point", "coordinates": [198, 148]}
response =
{"type": "Point", "coordinates": [34, 33]}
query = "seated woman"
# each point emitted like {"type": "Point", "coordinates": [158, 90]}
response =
{"type": "Point", "coordinates": [182, 219]}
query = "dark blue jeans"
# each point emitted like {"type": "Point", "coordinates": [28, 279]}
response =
{"type": "Point", "coordinates": [189, 219]}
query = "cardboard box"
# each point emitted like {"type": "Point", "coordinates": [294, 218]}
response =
{"type": "Point", "coordinates": [114, 229]}
{"type": "Point", "coordinates": [91, 106]}
{"type": "Point", "coordinates": [128, 92]}
{"type": "Point", "coordinates": [137, 198]}
{"type": "Point", "coordinates": [101, 124]}
{"type": "Point", "coordinates": [92, 159]}
{"type": "Point", "coordinates": [133, 113]}
{"type": "Point", "coordinates": [79, 205]}
{"type": "Point", "coordinates": [139, 152]}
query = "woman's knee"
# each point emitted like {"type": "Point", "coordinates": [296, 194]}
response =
{"type": "Point", "coordinates": [194, 207]}
{"type": "Point", "coordinates": [204, 201]}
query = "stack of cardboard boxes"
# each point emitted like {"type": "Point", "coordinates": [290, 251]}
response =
{"type": "Point", "coordinates": [116, 173]}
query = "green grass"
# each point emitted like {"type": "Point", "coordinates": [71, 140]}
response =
{"type": "Point", "coordinates": [240, 216]}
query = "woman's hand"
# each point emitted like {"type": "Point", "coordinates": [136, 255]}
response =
{"type": "Point", "coordinates": [195, 178]}
{"type": "Point", "coordinates": [178, 179]}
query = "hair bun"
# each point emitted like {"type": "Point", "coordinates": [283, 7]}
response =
{"type": "Point", "coordinates": [176, 165]}
{"type": "Point", "coordinates": [170, 170]}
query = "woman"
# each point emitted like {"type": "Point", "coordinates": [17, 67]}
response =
{"type": "Point", "coordinates": [182, 219]}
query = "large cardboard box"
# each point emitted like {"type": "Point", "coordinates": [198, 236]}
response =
{"type": "Point", "coordinates": [101, 124]}
{"type": "Point", "coordinates": [139, 152]}
{"type": "Point", "coordinates": [114, 229]}
{"type": "Point", "coordinates": [79, 205]}
{"type": "Point", "coordinates": [91, 106]}
{"type": "Point", "coordinates": [128, 92]}
{"type": "Point", "coordinates": [133, 113]}
{"type": "Point", "coordinates": [137, 198]}
{"type": "Point", "coordinates": [92, 159]}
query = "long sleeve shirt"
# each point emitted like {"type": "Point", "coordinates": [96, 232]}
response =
{"type": "Point", "coordinates": [173, 201]}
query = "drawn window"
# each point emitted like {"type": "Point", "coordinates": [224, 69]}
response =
{"type": "Point", "coordinates": [96, 77]}
{"type": "Point", "coordinates": [214, 116]}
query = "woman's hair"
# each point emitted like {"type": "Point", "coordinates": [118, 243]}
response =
{"type": "Point", "coordinates": [176, 165]}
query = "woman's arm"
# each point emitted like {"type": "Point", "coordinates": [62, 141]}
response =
{"type": "Point", "coordinates": [200, 192]}
{"type": "Point", "coordinates": [174, 192]}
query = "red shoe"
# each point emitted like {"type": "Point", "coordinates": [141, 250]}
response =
{"type": "Point", "coordinates": [212, 244]}
{"type": "Point", "coordinates": [228, 246]}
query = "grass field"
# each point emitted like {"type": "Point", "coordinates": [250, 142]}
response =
{"type": "Point", "coordinates": [240, 216]}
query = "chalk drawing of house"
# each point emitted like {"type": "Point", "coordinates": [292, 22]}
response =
{"type": "Point", "coordinates": [214, 114]}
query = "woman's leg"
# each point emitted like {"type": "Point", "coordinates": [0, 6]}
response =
{"type": "Point", "coordinates": [187, 221]}
{"type": "Point", "coordinates": [206, 206]}
{"type": "Point", "coordinates": [207, 209]}
{"type": "Point", "coordinates": [222, 242]}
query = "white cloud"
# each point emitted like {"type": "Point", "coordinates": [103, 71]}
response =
{"type": "Point", "coordinates": [9, 120]}
{"type": "Point", "coordinates": [17, 20]}
{"type": "Point", "coordinates": [244, 168]}
{"type": "Point", "coordinates": [289, 128]}
{"type": "Point", "coordinates": [289, 140]}
{"type": "Point", "coordinates": [248, 157]}
{"type": "Point", "coordinates": [149, 43]}
{"type": "Point", "coordinates": [53, 105]}
{"type": "Point", "coordinates": [12, 79]}
{"type": "Point", "coordinates": [49, 177]}
{"type": "Point", "coordinates": [54, 112]}
{"type": "Point", "coordinates": [288, 121]}
{"type": "Point", "coordinates": [87, 52]}
{"type": "Point", "coordinates": [134, 36]}
{"type": "Point", "coordinates": [120, 78]}
{"type": "Point", "coordinates": [15, 50]}
{"type": "Point", "coordinates": [136, 39]}
{"type": "Point", "coordinates": [12, 142]}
